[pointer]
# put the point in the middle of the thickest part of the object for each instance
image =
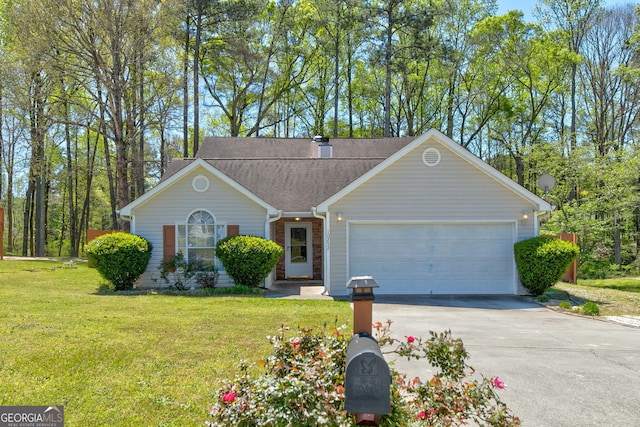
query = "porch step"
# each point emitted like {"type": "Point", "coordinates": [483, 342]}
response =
{"type": "Point", "coordinates": [308, 289]}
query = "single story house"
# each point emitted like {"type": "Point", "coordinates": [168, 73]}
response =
{"type": "Point", "coordinates": [422, 215]}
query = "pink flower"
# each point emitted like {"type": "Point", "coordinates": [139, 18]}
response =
{"type": "Point", "coordinates": [295, 343]}
{"type": "Point", "coordinates": [497, 382]}
{"type": "Point", "coordinates": [422, 415]}
{"type": "Point", "coordinates": [229, 397]}
{"type": "Point", "coordinates": [410, 339]}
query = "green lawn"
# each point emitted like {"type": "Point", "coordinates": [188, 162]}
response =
{"type": "Point", "coordinates": [139, 360]}
{"type": "Point", "coordinates": [619, 296]}
{"type": "Point", "coordinates": [627, 284]}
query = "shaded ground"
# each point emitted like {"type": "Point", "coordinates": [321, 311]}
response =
{"type": "Point", "coordinates": [611, 302]}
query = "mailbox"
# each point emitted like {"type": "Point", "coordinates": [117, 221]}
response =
{"type": "Point", "coordinates": [367, 377]}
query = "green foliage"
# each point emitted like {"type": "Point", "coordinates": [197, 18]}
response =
{"type": "Point", "coordinates": [543, 298]}
{"type": "Point", "coordinates": [248, 259]}
{"type": "Point", "coordinates": [631, 284]}
{"type": "Point", "coordinates": [183, 274]}
{"type": "Point", "coordinates": [590, 308]}
{"type": "Point", "coordinates": [565, 305]}
{"type": "Point", "coordinates": [119, 257]}
{"type": "Point", "coordinates": [301, 384]}
{"type": "Point", "coordinates": [541, 261]}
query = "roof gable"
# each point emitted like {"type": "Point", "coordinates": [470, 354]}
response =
{"type": "Point", "coordinates": [185, 166]}
{"type": "Point", "coordinates": [455, 148]}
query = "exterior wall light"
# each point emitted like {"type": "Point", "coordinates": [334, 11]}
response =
{"type": "Point", "coordinates": [339, 216]}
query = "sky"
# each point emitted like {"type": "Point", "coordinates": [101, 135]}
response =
{"type": "Point", "coordinates": [527, 6]}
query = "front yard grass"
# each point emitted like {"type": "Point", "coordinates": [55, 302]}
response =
{"type": "Point", "coordinates": [615, 297]}
{"type": "Point", "coordinates": [136, 360]}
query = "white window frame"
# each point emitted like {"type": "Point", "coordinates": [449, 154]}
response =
{"type": "Point", "coordinates": [182, 236]}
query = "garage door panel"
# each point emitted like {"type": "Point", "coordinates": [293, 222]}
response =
{"type": "Point", "coordinates": [434, 258]}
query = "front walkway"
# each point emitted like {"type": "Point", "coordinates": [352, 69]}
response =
{"type": "Point", "coordinates": [295, 289]}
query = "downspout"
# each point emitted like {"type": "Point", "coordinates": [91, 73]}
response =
{"type": "Point", "coordinates": [326, 249]}
{"type": "Point", "coordinates": [267, 235]}
{"type": "Point", "coordinates": [132, 227]}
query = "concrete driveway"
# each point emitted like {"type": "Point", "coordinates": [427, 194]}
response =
{"type": "Point", "coordinates": [560, 369]}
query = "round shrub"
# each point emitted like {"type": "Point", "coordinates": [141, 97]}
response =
{"type": "Point", "coordinates": [248, 259]}
{"type": "Point", "coordinates": [565, 305]}
{"type": "Point", "coordinates": [590, 308]}
{"type": "Point", "coordinates": [543, 298]}
{"type": "Point", "coordinates": [119, 257]}
{"type": "Point", "coordinates": [542, 261]}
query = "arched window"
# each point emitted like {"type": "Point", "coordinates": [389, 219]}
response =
{"type": "Point", "coordinates": [201, 239]}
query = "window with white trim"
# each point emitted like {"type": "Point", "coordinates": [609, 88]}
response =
{"type": "Point", "coordinates": [197, 239]}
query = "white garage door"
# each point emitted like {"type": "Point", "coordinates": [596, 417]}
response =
{"type": "Point", "coordinates": [434, 258]}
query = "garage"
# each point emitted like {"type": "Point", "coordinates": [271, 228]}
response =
{"type": "Point", "coordinates": [434, 258]}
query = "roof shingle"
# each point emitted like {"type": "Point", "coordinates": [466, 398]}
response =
{"type": "Point", "coordinates": [286, 173]}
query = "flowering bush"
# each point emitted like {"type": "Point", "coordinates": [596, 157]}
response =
{"type": "Point", "coordinates": [302, 384]}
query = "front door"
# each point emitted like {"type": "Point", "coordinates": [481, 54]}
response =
{"type": "Point", "coordinates": [298, 254]}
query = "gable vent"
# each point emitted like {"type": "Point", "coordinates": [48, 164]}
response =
{"type": "Point", "coordinates": [431, 156]}
{"type": "Point", "coordinates": [200, 183]}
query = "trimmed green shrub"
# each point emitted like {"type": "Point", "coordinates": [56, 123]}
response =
{"type": "Point", "coordinates": [590, 308]}
{"type": "Point", "coordinates": [565, 305]}
{"type": "Point", "coordinates": [119, 257]}
{"type": "Point", "coordinates": [248, 259]}
{"type": "Point", "coordinates": [542, 261]}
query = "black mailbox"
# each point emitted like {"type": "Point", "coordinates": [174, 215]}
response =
{"type": "Point", "coordinates": [367, 377]}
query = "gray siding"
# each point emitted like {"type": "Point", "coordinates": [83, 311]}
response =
{"type": "Point", "coordinates": [175, 203]}
{"type": "Point", "coordinates": [408, 190]}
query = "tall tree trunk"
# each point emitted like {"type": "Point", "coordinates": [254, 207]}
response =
{"type": "Point", "coordinates": [107, 160]}
{"type": "Point", "coordinates": [388, 55]}
{"type": "Point", "coordinates": [617, 244]}
{"type": "Point", "coordinates": [91, 158]}
{"type": "Point", "coordinates": [140, 173]}
{"type": "Point", "coordinates": [38, 161]}
{"type": "Point", "coordinates": [185, 91]}
{"type": "Point", "coordinates": [336, 87]}
{"type": "Point", "coordinates": [350, 90]}
{"type": "Point", "coordinates": [27, 248]}
{"type": "Point", "coordinates": [574, 108]}
{"type": "Point", "coordinates": [196, 84]}
{"type": "Point", "coordinates": [71, 189]}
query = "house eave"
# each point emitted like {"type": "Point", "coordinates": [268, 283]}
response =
{"type": "Point", "coordinates": [297, 214]}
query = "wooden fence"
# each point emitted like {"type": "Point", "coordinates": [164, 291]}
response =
{"type": "Point", "coordinates": [571, 275]}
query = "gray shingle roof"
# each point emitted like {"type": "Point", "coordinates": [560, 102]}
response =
{"type": "Point", "coordinates": [294, 148]}
{"type": "Point", "coordinates": [286, 173]}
